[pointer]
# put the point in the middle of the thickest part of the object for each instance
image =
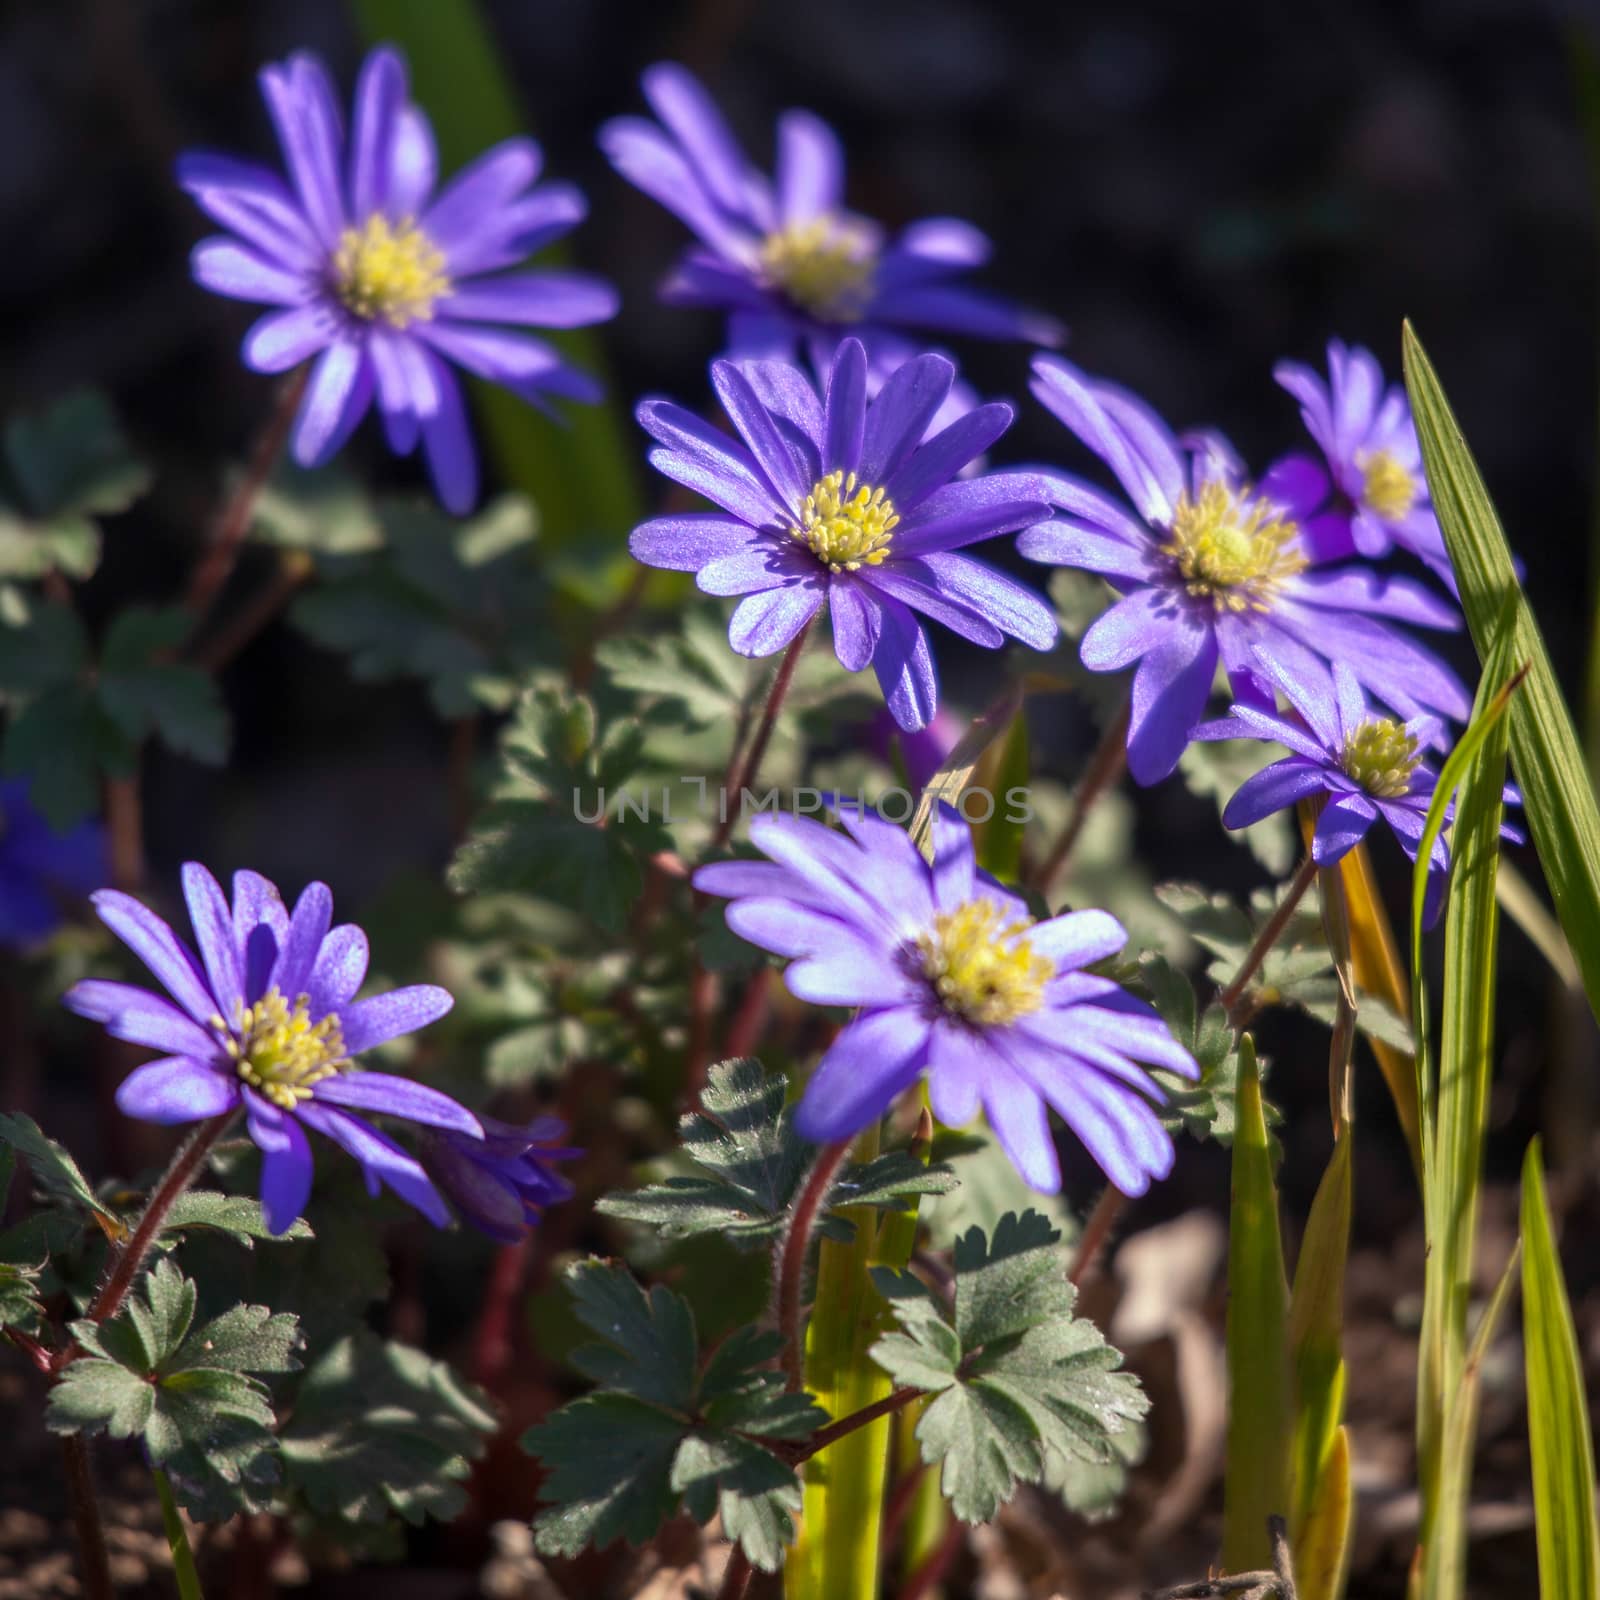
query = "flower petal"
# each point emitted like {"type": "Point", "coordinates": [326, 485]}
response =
{"type": "Point", "coordinates": [386, 1016]}
{"type": "Point", "coordinates": [1273, 788]}
{"type": "Point", "coordinates": [1078, 938]}
{"type": "Point", "coordinates": [810, 168]}
{"type": "Point", "coordinates": [447, 444]}
{"type": "Point", "coordinates": [380, 94]}
{"type": "Point", "coordinates": [873, 1060]}
{"type": "Point", "coordinates": [301, 103]}
{"type": "Point", "coordinates": [1022, 1126]}
{"type": "Point", "coordinates": [393, 1096]}
{"type": "Point", "coordinates": [286, 1167]}
{"type": "Point", "coordinates": [857, 616]}
{"type": "Point", "coordinates": [340, 968]}
{"type": "Point", "coordinates": [1011, 606]}
{"type": "Point", "coordinates": [846, 413]}
{"type": "Point", "coordinates": [177, 1089]}
{"type": "Point", "coordinates": [538, 299]}
{"type": "Point", "coordinates": [381, 1159]}
{"type": "Point", "coordinates": [283, 339]}
{"type": "Point", "coordinates": [904, 665]}
{"type": "Point", "coordinates": [764, 623]}
{"type": "Point", "coordinates": [685, 544]}
{"type": "Point", "coordinates": [213, 928]}
{"type": "Point", "coordinates": [1341, 827]}
{"type": "Point", "coordinates": [479, 190]}
{"type": "Point", "coordinates": [1170, 689]}
{"type": "Point", "coordinates": [939, 459]}
{"type": "Point", "coordinates": [337, 396]}
{"type": "Point", "coordinates": [235, 270]}
{"type": "Point", "coordinates": [161, 950]}
{"type": "Point", "coordinates": [140, 1017]}
{"type": "Point", "coordinates": [897, 420]}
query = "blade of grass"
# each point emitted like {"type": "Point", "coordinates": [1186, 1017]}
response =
{"type": "Point", "coordinates": [1558, 1410]}
{"type": "Point", "coordinates": [1444, 1559]}
{"type": "Point", "coordinates": [1322, 1550]}
{"type": "Point", "coordinates": [950, 782]}
{"type": "Point", "coordinates": [1455, 1104]}
{"type": "Point", "coordinates": [1558, 796]}
{"type": "Point", "coordinates": [581, 473]}
{"type": "Point", "coordinates": [1260, 1405]}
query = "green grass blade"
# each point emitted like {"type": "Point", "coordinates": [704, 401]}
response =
{"type": "Point", "coordinates": [1558, 1412]}
{"type": "Point", "coordinates": [1256, 1482]}
{"type": "Point", "coordinates": [1316, 1333]}
{"type": "Point", "coordinates": [950, 782]}
{"type": "Point", "coordinates": [1444, 1561]}
{"type": "Point", "coordinates": [1455, 1107]}
{"type": "Point", "coordinates": [582, 473]}
{"type": "Point", "coordinates": [1545, 754]}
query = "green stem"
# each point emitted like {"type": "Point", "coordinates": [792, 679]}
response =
{"type": "Point", "coordinates": [183, 1566]}
{"type": "Point", "coordinates": [838, 1552]}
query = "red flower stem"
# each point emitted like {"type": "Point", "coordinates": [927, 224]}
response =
{"type": "Point", "coordinates": [736, 1580]}
{"type": "Point", "coordinates": [790, 1286]}
{"type": "Point", "coordinates": [745, 1029]}
{"type": "Point", "coordinates": [86, 1518]}
{"type": "Point", "coordinates": [232, 522]}
{"type": "Point", "coordinates": [1096, 1230]}
{"type": "Point", "coordinates": [733, 788]}
{"type": "Point", "coordinates": [1271, 932]}
{"type": "Point", "coordinates": [896, 1400]}
{"type": "Point", "coordinates": [492, 1338]}
{"type": "Point", "coordinates": [185, 1167]}
{"type": "Point", "coordinates": [1105, 767]}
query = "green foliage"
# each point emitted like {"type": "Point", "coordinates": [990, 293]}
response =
{"type": "Point", "coordinates": [531, 838]}
{"type": "Point", "coordinates": [380, 1429]}
{"type": "Point", "coordinates": [321, 513]}
{"type": "Point", "coordinates": [1257, 1482]}
{"type": "Point", "coordinates": [73, 720]}
{"type": "Point", "coordinates": [459, 605]}
{"type": "Point", "coordinates": [1214, 771]}
{"type": "Point", "coordinates": [1203, 1107]}
{"type": "Point", "coordinates": [1017, 1379]}
{"type": "Point", "coordinates": [19, 1297]}
{"type": "Point", "coordinates": [1558, 797]}
{"type": "Point", "coordinates": [1558, 1409]}
{"type": "Point", "coordinates": [61, 470]}
{"type": "Point", "coordinates": [54, 1171]}
{"type": "Point", "coordinates": [747, 1164]}
{"type": "Point", "coordinates": [668, 1427]}
{"type": "Point", "coordinates": [1298, 971]}
{"type": "Point", "coordinates": [188, 1394]}
{"type": "Point", "coordinates": [236, 1216]}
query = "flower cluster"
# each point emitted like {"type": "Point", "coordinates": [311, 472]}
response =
{"type": "Point", "coordinates": [41, 870]}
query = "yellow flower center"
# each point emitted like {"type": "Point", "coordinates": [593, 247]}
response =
{"type": "Point", "coordinates": [1234, 547]}
{"type": "Point", "coordinates": [824, 265]}
{"type": "Point", "coordinates": [982, 965]}
{"type": "Point", "coordinates": [846, 525]}
{"type": "Point", "coordinates": [279, 1051]}
{"type": "Point", "coordinates": [1387, 487]}
{"type": "Point", "coordinates": [1381, 756]}
{"type": "Point", "coordinates": [392, 271]}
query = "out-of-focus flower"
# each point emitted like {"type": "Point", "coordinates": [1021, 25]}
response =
{"type": "Point", "coordinates": [382, 280]}
{"type": "Point", "coordinates": [1371, 494]}
{"type": "Point", "coordinates": [502, 1182]}
{"type": "Point", "coordinates": [923, 750]}
{"type": "Point", "coordinates": [839, 501]}
{"type": "Point", "coordinates": [1212, 569]}
{"type": "Point", "coordinates": [41, 869]}
{"type": "Point", "coordinates": [783, 257]}
{"type": "Point", "coordinates": [1365, 766]}
{"type": "Point", "coordinates": [265, 1019]}
{"type": "Point", "coordinates": [957, 981]}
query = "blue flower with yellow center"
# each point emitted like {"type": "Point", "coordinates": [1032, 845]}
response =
{"type": "Point", "coordinates": [382, 279]}
{"type": "Point", "coordinates": [263, 1018]}
{"type": "Point", "coordinates": [956, 983]}
{"type": "Point", "coordinates": [42, 871]}
{"type": "Point", "coordinates": [1210, 569]}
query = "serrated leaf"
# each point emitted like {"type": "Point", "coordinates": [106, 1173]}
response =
{"type": "Point", "coordinates": [19, 1297]}
{"type": "Point", "coordinates": [748, 1164]}
{"type": "Point", "coordinates": [145, 692]}
{"type": "Point", "coordinates": [53, 1169]}
{"type": "Point", "coordinates": [1201, 1107]}
{"type": "Point", "coordinates": [49, 648]}
{"type": "Point", "coordinates": [323, 511]}
{"type": "Point", "coordinates": [667, 1428]}
{"type": "Point", "coordinates": [61, 741]}
{"type": "Point", "coordinates": [1016, 1376]}
{"type": "Point", "coordinates": [236, 1215]}
{"type": "Point", "coordinates": [380, 1428]}
{"type": "Point", "coordinates": [1215, 770]}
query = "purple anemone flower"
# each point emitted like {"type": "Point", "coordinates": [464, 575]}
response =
{"type": "Point", "coordinates": [1370, 493]}
{"type": "Point", "coordinates": [957, 981]}
{"type": "Point", "coordinates": [1367, 767]}
{"type": "Point", "coordinates": [1210, 569]}
{"type": "Point", "coordinates": [502, 1182]}
{"type": "Point", "coordinates": [266, 1020]}
{"type": "Point", "coordinates": [40, 869]}
{"type": "Point", "coordinates": [840, 501]}
{"type": "Point", "coordinates": [783, 257]}
{"type": "Point", "coordinates": [380, 278]}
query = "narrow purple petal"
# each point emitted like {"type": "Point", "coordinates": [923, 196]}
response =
{"type": "Point", "coordinates": [685, 544]}
{"type": "Point", "coordinates": [1170, 689]}
{"type": "Point", "coordinates": [915, 584]}
{"type": "Point", "coordinates": [237, 271]}
{"type": "Point", "coordinates": [480, 189]}
{"type": "Point", "coordinates": [308, 927]}
{"type": "Point", "coordinates": [283, 339]}
{"type": "Point", "coordinates": [286, 1167]}
{"type": "Point", "coordinates": [872, 1061]}
{"type": "Point", "coordinates": [1274, 788]}
{"type": "Point", "coordinates": [1132, 628]}
{"type": "Point", "coordinates": [213, 930]}
{"type": "Point", "coordinates": [387, 1016]}
{"type": "Point", "coordinates": [177, 1089]}
{"type": "Point", "coordinates": [392, 1096]}
{"type": "Point", "coordinates": [380, 93]}
{"type": "Point", "coordinates": [161, 950]}
{"type": "Point", "coordinates": [447, 444]}
{"type": "Point", "coordinates": [1022, 1126]}
{"type": "Point", "coordinates": [756, 427]}
{"type": "Point", "coordinates": [301, 103]}
{"type": "Point", "coordinates": [857, 616]}
{"type": "Point", "coordinates": [897, 420]}
{"type": "Point", "coordinates": [764, 623]}
{"type": "Point", "coordinates": [1011, 606]}
{"type": "Point", "coordinates": [253, 202]}
{"type": "Point", "coordinates": [954, 863]}
{"type": "Point", "coordinates": [691, 115]}
{"type": "Point", "coordinates": [1062, 543]}
{"type": "Point", "coordinates": [941, 458]}
{"type": "Point", "coordinates": [340, 968]}
{"type": "Point", "coordinates": [381, 1159]}
{"type": "Point", "coordinates": [810, 168]}
{"type": "Point", "coordinates": [905, 669]}
{"type": "Point", "coordinates": [846, 417]}
{"type": "Point", "coordinates": [413, 163]}
{"type": "Point", "coordinates": [336, 398]}
{"type": "Point", "coordinates": [958, 1065]}
{"type": "Point", "coordinates": [762, 564]}
{"type": "Point", "coordinates": [140, 1017]}
{"type": "Point", "coordinates": [537, 299]}
{"type": "Point", "coordinates": [260, 925]}
{"type": "Point", "coordinates": [1341, 827]}
{"type": "Point", "coordinates": [1078, 938]}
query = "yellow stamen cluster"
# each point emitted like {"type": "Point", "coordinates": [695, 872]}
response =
{"type": "Point", "coordinates": [279, 1051]}
{"type": "Point", "coordinates": [1234, 547]}
{"type": "Point", "coordinates": [824, 265]}
{"type": "Point", "coordinates": [389, 271]}
{"type": "Point", "coordinates": [1387, 487]}
{"type": "Point", "coordinates": [982, 965]}
{"type": "Point", "coordinates": [846, 525]}
{"type": "Point", "coordinates": [1381, 756]}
